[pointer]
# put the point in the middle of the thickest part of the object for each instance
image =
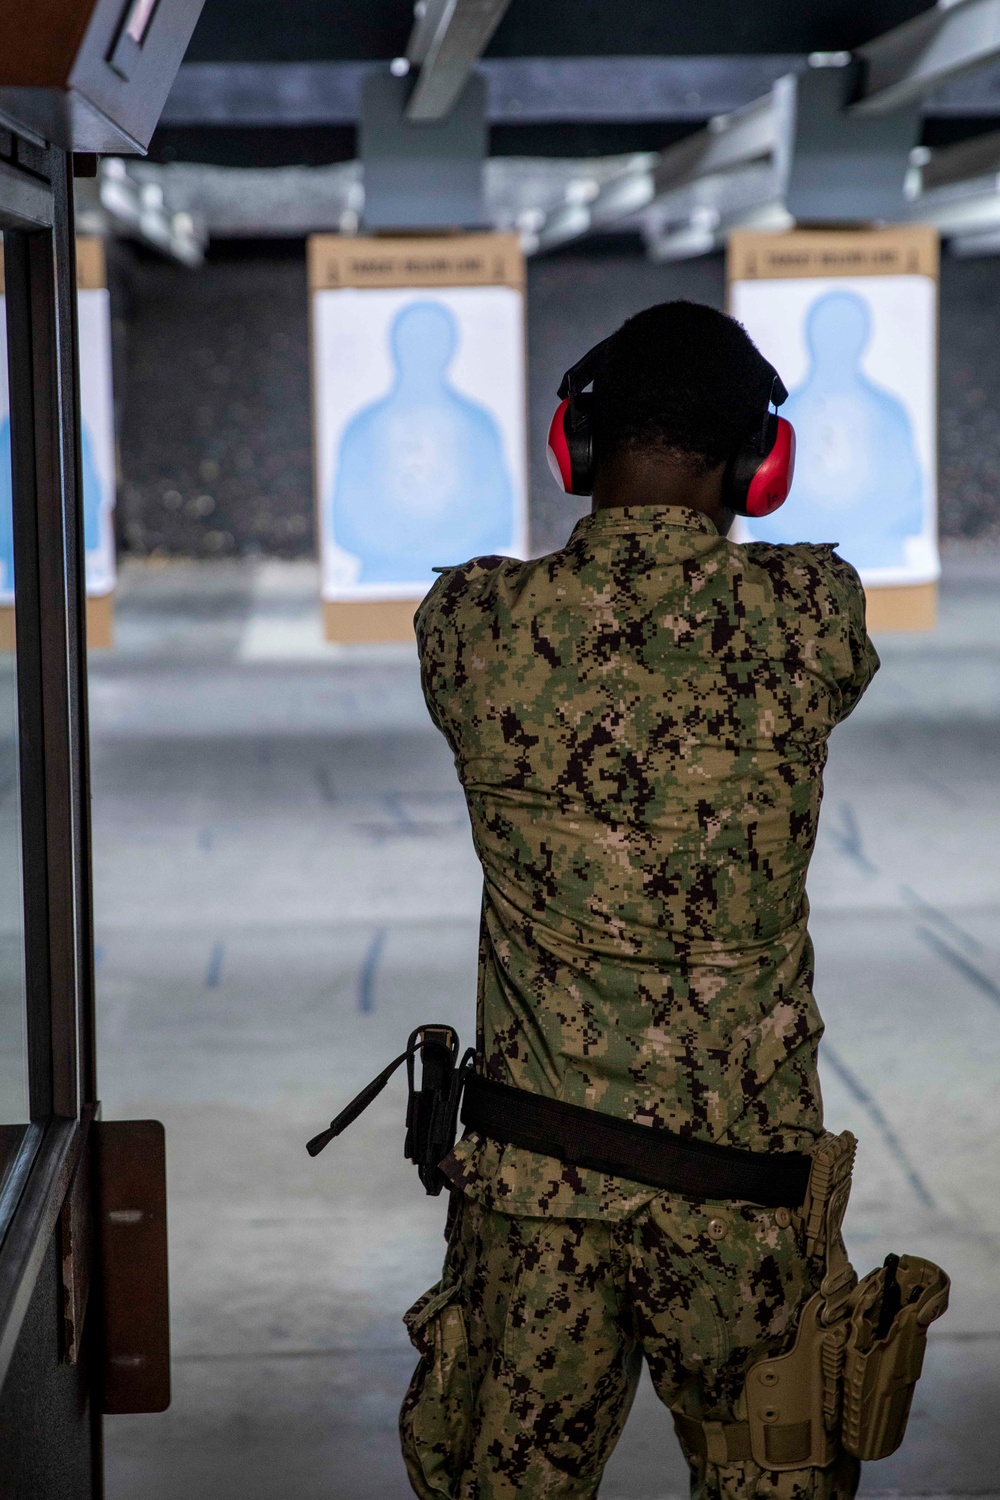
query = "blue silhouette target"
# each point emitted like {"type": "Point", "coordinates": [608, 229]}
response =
{"type": "Point", "coordinates": [858, 478]}
{"type": "Point", "coordinates": [420, 477]}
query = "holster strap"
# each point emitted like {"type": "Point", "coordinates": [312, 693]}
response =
{"type": "Point", "coordinates": [642, 1153]}
{"type": "Point", "coordinates": [714, 1442]}
{"type": "Point", "coordinates": [729, 1442]}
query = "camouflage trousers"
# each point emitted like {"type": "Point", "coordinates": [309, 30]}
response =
{"type": "Point", "coordinates": [532, 1343]}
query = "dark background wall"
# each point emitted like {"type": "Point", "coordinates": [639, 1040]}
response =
{"type": "Point", "coordinates": [212, 389]}
{"type": "Point", "coordinates": [211, 374]}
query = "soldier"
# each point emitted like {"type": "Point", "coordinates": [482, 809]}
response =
{"type": "Point", "coordinates": [640, 724]}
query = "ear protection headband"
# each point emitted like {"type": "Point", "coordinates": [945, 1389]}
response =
{"type": "Point", "coordinates": [757, 477]}
{"type": "Point", "coordinates": [571, 433]}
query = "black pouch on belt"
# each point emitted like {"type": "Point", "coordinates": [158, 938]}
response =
{"type": "Point", "coordinates": [431, 1109]}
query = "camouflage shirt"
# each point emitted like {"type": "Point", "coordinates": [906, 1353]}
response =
{"type": "Point", "coordinates": [640, 724]}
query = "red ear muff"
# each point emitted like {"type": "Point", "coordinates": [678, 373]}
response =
{"type": "Point", "coordinates": [770, 485]}
{"type": "Point", "coordinates": [571, 432]}
{"type": "Point", "coordinates": [571, 446]}
{"type": "Point", "coordinates": [557, 452]}
{"type": "Point", "coordinates": [758, 478]}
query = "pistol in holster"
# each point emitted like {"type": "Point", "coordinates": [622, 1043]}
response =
{"type": "Point", "coordinates": [431, 1109]}
{"type": "Point", "coordinates": [847, 1382]}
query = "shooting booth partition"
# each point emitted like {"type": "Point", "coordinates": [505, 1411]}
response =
{"type": "Point", "coordinates": [83, 1310]}
{"type": "Point", "coordinates": [83, 1297]}
{"type": "Point", "coordinates": [48, 1412]}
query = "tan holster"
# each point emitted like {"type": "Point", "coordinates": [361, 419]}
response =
{"type": "Point", "coordinates": [847, 1382]}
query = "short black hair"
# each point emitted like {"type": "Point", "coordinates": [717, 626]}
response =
{"type": "Point", "coordinates": [682, 378]}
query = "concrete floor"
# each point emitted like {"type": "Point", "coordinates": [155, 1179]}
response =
{"type": "Point", "coordinates": [286, 885]}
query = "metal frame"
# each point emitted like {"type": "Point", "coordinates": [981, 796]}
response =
{"type": "Point", "coordinates": [526, 90]}
{"type": "Point", "coordinates": [446, 42]}
{"type": "Point", "coordinates": [939, 45]}
{"type": "Point", "coordinates": [36, 215]}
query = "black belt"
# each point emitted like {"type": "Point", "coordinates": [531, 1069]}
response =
{"type": "Point", "coordinates": [642, 1153]}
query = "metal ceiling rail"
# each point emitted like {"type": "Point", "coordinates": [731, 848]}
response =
{"type": "Point", "coordinates": [428, 17]}
{"type": "Point", "coordinates": [615, 199]}
{"type": "Point", "coordinates": [135, 208]}
{"type": "Point", "coordinates": [977, 157]}
{"type": "Point", "coordinates": [912, 60]}
{"type": "Point", "coordinates": [730, 141]}
{"type": "Point", "coordinates": [963, 210]}
{"type": "Point", "coordinates": [448, 39]}
{"type": "Point", "coordinates": [684, 200]}
{"type": "Point", "coordinates": [520, 90]}
{"type": "Point", "coordinates": [695, 220]}
{"type": "Point", "coordinates": [735, 172]}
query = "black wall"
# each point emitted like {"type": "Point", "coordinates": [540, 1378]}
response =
{"type": "Point", "coordinates": [262, 31]}
{"type": "Point", "coordinates": [212, 387]}
{"type": "Point", "coordinates": [211, 374]}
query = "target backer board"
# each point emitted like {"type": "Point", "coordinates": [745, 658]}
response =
{"type": "Point", "coordinates": [849, 319]}
{"type": "Point", "coordinates": [98, 451]}
{"type": "Point", "coordinates": [419, 418]}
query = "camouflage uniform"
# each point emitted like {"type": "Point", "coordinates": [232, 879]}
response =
{"type": "Point", "coordinates": [640, 724]}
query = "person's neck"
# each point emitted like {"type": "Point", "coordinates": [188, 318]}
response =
{"type": "Point", "coordinates": [630, 479]}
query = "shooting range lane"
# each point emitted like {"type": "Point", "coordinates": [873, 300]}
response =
{"type": "Point", "coordinates": [286, 885]}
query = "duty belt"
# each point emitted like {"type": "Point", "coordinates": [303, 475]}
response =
{"type": "Point", "coordinates": [567, 1132]}
{"type": "Point", "coordinates": [847, 1380]}
{"type": "Point", "coordinates": [642, 1153]}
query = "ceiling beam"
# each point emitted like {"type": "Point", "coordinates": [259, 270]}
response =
{"type": "Point", "coordinates": [520, 90]}
{"type": "Point", "coordinates": [523, 90]}
{"type": "Point", "coordinates": [448, 39]}
{"type": "Point", "coordinates": [428, 16]}
{"type": "Point", "coordinates": [978, 157]}
{"type": "Point", "coordinates": [117, 202]}
{"type": "Point", "coordinates": [730, 142]}
{"type": "Point", "coordinates": [737, 170]}
{"type": "Point", "coordinates": [967, 208]}
{"type": "Point", "coordinates": [922, 55]}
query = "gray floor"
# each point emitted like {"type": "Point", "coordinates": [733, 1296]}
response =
{"type": "Point", "coordinates": [285, 885]}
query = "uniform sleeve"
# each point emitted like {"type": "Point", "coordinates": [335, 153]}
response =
{"type": "Point", "coordinates": [819, 602]}
{"type": "Point", "coordinates": [442, 624]}
{"type": "Point", "coordinates": [860, 659]}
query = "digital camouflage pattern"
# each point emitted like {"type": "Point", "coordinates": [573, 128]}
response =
{"type": "Point", "coordinates": [640, 724]}
{"type": "Point", "coordinates": [532, 1343]}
